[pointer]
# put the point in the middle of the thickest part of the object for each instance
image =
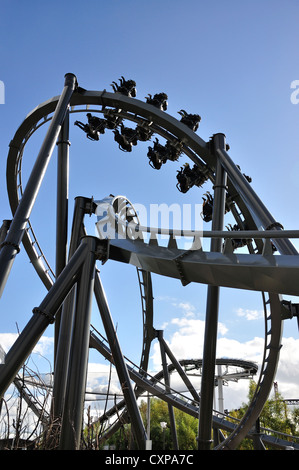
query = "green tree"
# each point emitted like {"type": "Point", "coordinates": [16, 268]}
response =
{"type": "Point", "coordinates": [186, 426]}
{"type": "Point", "coordinates": [275, 415]}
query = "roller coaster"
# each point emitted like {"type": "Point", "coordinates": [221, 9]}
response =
{"type": "Point", "coordinates": [270, 264]}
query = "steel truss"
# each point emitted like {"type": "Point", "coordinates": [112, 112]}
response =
{"type": "Point", "coordinates": [70, 288]}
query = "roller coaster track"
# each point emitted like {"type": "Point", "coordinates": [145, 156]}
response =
{"type": "Point", "coordinates": [123, 212]}
{"type": "Point", "coordinates": [260, 270]}
{"type": "Point", "coordinates": [163, 261]}
{"type": "Point", "coordinates": [98, 342]}
{"type": "Point", "coordinates": [154, 386]}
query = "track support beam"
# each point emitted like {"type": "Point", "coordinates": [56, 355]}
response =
{"type": "Point", "coordinates": [63, 144]}
{"type": "Point", "coordinates": [212, 308]}
{"type": "Point", "coordinates": [167, 389]}
{"type": "Point", "coordinates": [44, 315]}
{"type": "Point", "coordinates": [11, 245]}
{"type": "Point", "coordinates": [120, 365]}
{"type": "Point", "coordinates": [77, 374]}
{"type": "Point", "coordinates": [67, 318]}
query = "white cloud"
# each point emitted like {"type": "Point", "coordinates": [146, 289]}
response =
{"type": "Point", "coordinates": [98, 378]}
{"type": "Point", "coordinates": [250, 314]}
{"type": "Point", "coordinates": [250, 350]}
{"type": "Point", "coordinates": [7, 340]}
{"type": "Point", "coordinates": [43, 347]}
{"type": "Point", "coordinates": [187, 307]}
{"type": "Point", "coordinates": [188, 340]}
{"type": "Point", "coordinates": [288, 366]}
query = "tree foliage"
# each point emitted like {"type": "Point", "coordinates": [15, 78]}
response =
{"type": "Point", "coordinates": [275, 416]}
{"type": "Point", "coordinates": [186, 425]}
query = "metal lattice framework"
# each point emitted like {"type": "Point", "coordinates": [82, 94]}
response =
{"type": "Point", "coordinates": [71, 287]}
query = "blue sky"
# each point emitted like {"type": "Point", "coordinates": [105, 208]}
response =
{"type": "Point", "coordinates": [231, 62]}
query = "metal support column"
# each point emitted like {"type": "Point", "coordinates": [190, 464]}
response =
{"type": "Point", "coordinates": [211, 325]}
{"type": "Point", "coordinates": [67, 315]}
{"type": "Point", "coordinates": [220, 390]}
{"type": "Point", "coordinates": [11, 245]}
{"type": "Point", "coordinates": [3, 230]}
{"type": "Point", "coordinates": [167, 388]}
{"type": "Point", "coordinates": [180, 370]}
{"type": "Point", "coordinates": [77, 374]}
{"type": "Point", "coordinates": [259, 212]}
{"type": "Point", "coordinates": [43, 316]}
{"type": "Point", "coordinates": [219, 386]}
{"type": "Point", "coordinates": [148, 420]}
{"type": "Point", "coordinates": [62, 207]}
{"type": "Point", "coordinates": [120, 365]}
{"type": "Point", "coordinates": [257, 437]}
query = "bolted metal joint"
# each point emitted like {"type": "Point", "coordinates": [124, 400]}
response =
{"type": "Point", "coordinates": [102, 250]}
{"type": "Point", "coordinates": [90, 206]}
{"type": "Point", "coordinates": [289, 310]}
{"type": "Point", "coordinates": [49, 316]}
{"type": "Point", "coordinates": [14, 245]}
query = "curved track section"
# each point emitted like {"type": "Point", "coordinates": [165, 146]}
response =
{"type": "Point", "coordinates": [116, 214]}
{"type": "Point", "coordinates": [258, 272]}
{"type": "Point", "coordinates": [239, 370]}
{"type": "Point", "coordinates": [164, 262]}
{"type": "Point", "coordinates": [153, 385]}
{"type": "Point", "coordinates": [268, 272]}
{"type": "Point", "coordinates": [127, 108]}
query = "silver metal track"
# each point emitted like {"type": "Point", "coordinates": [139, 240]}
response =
{"type": "Point", "coordinates": [259, 271]}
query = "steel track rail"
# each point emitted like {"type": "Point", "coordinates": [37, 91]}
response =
{"type": "Point", "coordinates": [153, 385]}
{"type": "Point", "coordinates": [194, 147]}
{"type": "Point", "coordinates": [249, 370]}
